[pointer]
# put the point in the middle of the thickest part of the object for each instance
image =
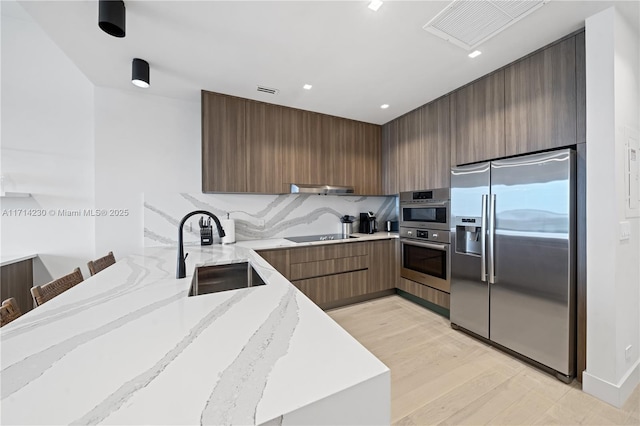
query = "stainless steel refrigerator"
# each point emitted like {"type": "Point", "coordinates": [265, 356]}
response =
{"type": "Point", "coordinates": [513, 255]}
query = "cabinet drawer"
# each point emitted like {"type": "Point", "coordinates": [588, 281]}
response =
{"type": "Point", "coordinates": [427, 293]}
{"type": "Point", "coordinates": [330, 288]}
{"type": "Point", "coordinates": [329, 251]}
{"type": "Point", "coordinates": [328, 267]}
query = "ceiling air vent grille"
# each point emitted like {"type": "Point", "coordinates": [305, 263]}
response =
{"type": "Point", "coordinates": [267, 90]}
{"type": "Point", "coordinates": [468, 23]}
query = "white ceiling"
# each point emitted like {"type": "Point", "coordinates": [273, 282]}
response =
{"type": "Point", "coordinates": [356, 59]}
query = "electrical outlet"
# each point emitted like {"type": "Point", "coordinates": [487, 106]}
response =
{"type": "Point", "coordinates": [627, 352]}
{"type": "Point", "coordinates": [625, 231]}
{"type": "Point", "coordinates": [259, 222]}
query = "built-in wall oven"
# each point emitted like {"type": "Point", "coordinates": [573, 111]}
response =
{"type": "Point", "coordinates": [424, 238]}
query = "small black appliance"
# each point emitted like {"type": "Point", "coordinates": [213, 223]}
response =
{"type": "Point", "coordinates": [368, 224]}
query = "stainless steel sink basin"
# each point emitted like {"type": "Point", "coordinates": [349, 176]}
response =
{"type": "Point", "coordinates": [232, 276]}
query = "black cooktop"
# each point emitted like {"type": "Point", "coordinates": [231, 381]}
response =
{"type": "Point", "coordinates": [323, 237]}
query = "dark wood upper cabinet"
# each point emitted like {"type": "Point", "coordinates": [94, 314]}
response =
{"type": "Point", "coordinates": [351, 154]}
{"type": "Point", "coordinates": [371, 168]}
{"type": "Point", "coordinates": [436, 138]}
{"type": "Point", "coordinates": [540, 100]}
{"type": "Point", "coordinates": [416, 149]}
{"type": "Point", "coordinates": [581, 89]}
{"type": "Point", "coordinates": [264, 146]}
{"type": "Point", "coordinates": [390, 165]}
{"type": "Point", "coordinates": [479, 119]}
{"type": "Point", "coordinates": [224, 148]}
{"type": "Point", "coordinates": [337, 136]}
{"type": "Point", "coordinates": [411, 172]}
{"type": "Point", "coordinates": [251, 146]}
{"type": "Point", "coordinates": [302, 147]}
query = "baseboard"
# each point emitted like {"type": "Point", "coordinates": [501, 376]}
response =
{"type": "Point", "coordinates": [356, 299]}
{"type": "Point", "coordinates": [614, 394]}
{"type": "Point", "coordinates": [424, 303]}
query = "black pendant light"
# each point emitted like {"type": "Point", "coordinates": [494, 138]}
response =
{"type": "Point", "coordinates": [111, 17]}
{"type": "Point", "coordinates": [140, 73]}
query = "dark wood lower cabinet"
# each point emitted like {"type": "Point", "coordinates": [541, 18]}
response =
{"type": "Point", "coordinates": [424, 292]}
{"type": "Point", "coordinates": [333, 275]}
{"type": "Point", "coordinates": [327, 290]}
{"type": "Point", "coordinates": [16, 281]}
{"type": "Point", "coordinates": [383, 265]}
{"type": "Point", "coordinates": [279, 259]}
{"type": "Point", "coordinates": [300, 271]}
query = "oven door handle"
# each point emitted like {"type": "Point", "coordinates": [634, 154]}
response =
{"type": "Point", "coordinates": [441, 247]}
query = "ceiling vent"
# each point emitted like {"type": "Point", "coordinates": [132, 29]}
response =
{"type": "Point", "coordinates": [267, 90]}
{"type": "Point", "coordinates": [468, 23]}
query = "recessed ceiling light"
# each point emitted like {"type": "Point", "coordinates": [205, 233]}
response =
{"type": "Point", "coordinates": [475, 53]}
{"type": "Point", "coordinates": [307, 87]}
{"type": "Point", "coordinates": [375, 5]}
{"type": "Point", "coordinates": [384, 106]}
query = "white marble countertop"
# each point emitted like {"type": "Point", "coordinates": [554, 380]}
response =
{"type": "Point", "coordinates": [8, 259]}
{"type": "Point", "coordinates": [128, 346]}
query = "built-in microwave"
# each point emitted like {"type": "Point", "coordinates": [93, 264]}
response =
{"type": "Point", "coordinates": [425, 209]}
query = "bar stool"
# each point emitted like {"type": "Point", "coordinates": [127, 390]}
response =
{"type": "Point", "coordinates": [44, 293]}
{"type": "Point", "coordinates": [98, 265]}
{"type": "Point", "coordinates": [9, 311]}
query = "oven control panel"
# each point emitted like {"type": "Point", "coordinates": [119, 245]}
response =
{"type": "Point", "coordinates": [425, 234]}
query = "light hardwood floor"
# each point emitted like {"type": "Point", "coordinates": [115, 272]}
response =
{"type": "Point", "coordinates": [442, 376]}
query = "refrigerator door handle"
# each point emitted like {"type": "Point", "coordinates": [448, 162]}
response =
{"type": "Point", "coordinates": [483, 240]}
{"type": "Point", "coordinates": [492, 236]}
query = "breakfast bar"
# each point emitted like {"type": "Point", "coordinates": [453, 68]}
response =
{"type": "Point", "coordinates": [130, 346]}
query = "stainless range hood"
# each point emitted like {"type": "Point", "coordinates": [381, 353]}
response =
{"type": "Point", "coordinates": [304, 188]}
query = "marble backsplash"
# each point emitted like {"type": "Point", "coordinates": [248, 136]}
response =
{"type": "Point", "coordinates": [258, 216]}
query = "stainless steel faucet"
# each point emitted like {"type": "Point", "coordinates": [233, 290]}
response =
{"type": "Point", "coordinates": [181, 270]}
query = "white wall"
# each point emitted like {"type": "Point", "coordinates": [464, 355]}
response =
{"type": "Point", "coordinates": [613, 290]}
{"type": "Point", "coordinates": [143, 143]}
{"type": "Point", "coordinates": [46, 148]}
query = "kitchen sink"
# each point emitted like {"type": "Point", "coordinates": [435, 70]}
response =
{"type": "Point", "coordinates": [216, 278]}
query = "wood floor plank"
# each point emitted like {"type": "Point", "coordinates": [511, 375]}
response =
{"type": "Point", "coordinates": [526, 411]}
{"type": "Point", "coordinates": [489, 405]}
{"type": "Point", "coordinates": [458, 398]}
{"type": "Point", "coordinates": [543, 382]}
{"type": "Point", "coordinates": [632, 405]}
{"type": "Point", "coordinates": [441, 375]}
{"type": "Point", "coordinates": [410, 397]}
